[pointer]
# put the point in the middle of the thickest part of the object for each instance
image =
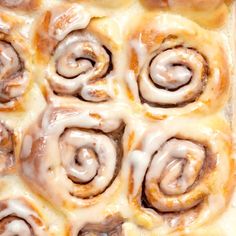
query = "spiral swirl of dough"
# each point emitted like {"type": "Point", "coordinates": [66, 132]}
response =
{"type": "Point", "coordinates": [78, 53]}
{"type": "Point", "coordinates": [173, 170]}
{"type": "Point", "coordinates": [85, 159]}
{"type": "Point", "coordinates": [175, 72]}
{"type": "Point", "coordinates": [81, 62]}
{"type": "Point", "coordinates": [89, 160]}
{"type": "Point", "coordinates": [176, 76]}
{"type": "Point", "coordinates": [181, 172]}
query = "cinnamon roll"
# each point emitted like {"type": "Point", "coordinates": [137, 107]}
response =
{"type": "Point", "coordinates": [20, 4]}
{"type": "Point", "coordinates": [79, 57]}
{"type": "Point", "coordinates": [76, 153]}
{"type": "Point", "coordinates": [115, 118]}
{"type": "Point", "coordinates": [182, 176]}
{"type": "Point", "coordinates": [18, 217]}
{"type": "Point", "coordinates": [177, 67]}
{"type": "Point", "coordinates": [15, 71]}
{"type": "Point", "coordinates": [7, 158]}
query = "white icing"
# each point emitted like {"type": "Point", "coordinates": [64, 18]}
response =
{"type": "Point", "coordinates": [139, 161]}
{"type": "Point", "coordinates": [99, 169]}
{"type": "Point", "coordinates": [74, 69]}
{"type": "Point", "coordinates": [17, 227]}
{"type": "Point", "coordinates": [27, 145]}
{"type": "Point", "coordinates": [78, 19]}
{"type": "Point", "coordinates": [141, 50]}
{"type": "Point", "coordinates": [132, 84]}
{"type": "Point", "coordinates": [61, 144]}
{"type": "Point", "coordinates": [163, 78]}
{"type": "Point", "coordinates": [166, 167]}
{"type": "Point", "coordinates": [12, 84]}
{"type": "Point", "coordinates": [165, 74]}
{"type": "Point", "coordinates": [134, 117]}
{"type": "Point", "coordinates": [24, 214]}
{"type": "Point", "coordinates": [174, 180]}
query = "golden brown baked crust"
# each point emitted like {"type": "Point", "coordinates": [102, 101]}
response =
{"type": "Point", "coordinates": [116, 118]}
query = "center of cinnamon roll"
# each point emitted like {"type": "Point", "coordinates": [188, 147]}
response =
{"type": "Point", "coordinates": [89, 159]}
{"type": "Point", "coordinates": [15, 226]}
{"type": "Point", "coordinates": [81, 66]}
{"type": "Point", "coordinates": [168, 71]}
{"type": "Point", "coordinates": [85, 166]}
{"type": "Point", "coordinates": [174, 77]}
{"type": "Point", "coordinates": [79, 58]}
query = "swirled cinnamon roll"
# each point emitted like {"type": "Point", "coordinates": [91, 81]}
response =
{"type": "Point", "coordinates": [79, 57]}
{"type": "Point", "coordinates": [7, 158]}
{"type": "Point", "coordinates": [176, 68]}
{"type": "Point", "coordinates": [14, 70]}
{"type": "Point", "coordinates": [182, 175]}
{"type": "Point", "coordinates": [20, 4]}
{"type": "Point", "coordinates": [75, 153]}
{"type": "Point", "coordinates": [18, 217]}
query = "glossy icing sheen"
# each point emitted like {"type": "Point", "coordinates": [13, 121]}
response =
{"type": "Point", "coordinates": [25, 220]}
{"type": "Point", "coordinates": [116, 118]}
